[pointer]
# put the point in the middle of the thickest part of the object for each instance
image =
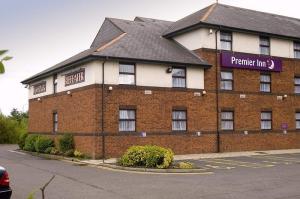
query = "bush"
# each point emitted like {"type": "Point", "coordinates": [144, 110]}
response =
{"type": "Point", "coordinates": [69, 153]}
{"type": "Point", "coordinates": [42, 143]}
{"type": "Point", "coordinates": [54, 151]}
{"type": "Point", "coordinates": [185, 165]}
{"type": "Point", "coordinates": [78, 154]}
{"type": "Point", "coordinates": [30, 142]}
{"type": "Point", "coordinates": [21, 141]}
{"type": "Point", "coordinates": [48, 150]}
{"type": "Point", "coordinates": [66, 142]}
{"type": "Point", "coordinates": [147, 156]}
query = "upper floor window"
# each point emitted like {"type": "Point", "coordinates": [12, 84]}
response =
{"type": "Point", "coordinates": [265, 83]}
{"type": "Point", "coordinates": [179, 77]}
{"type": "Point", "coordinates": [297, 117]}
{"type": "Point", "coordinates": [227, 120]}
{"type": "Point", "coordinates": [127, 120]}
{"type": "Point", "coordinates": [127, 74]}
{"type": "Point", "coordinates": [226, 80]}
{"type": "Point", "coordinates": [179, 120]}
{"type": "Point", "coordinates": [297, 50]}
{"type": "Point", "coordinates": [55, 83]}
{"type": "Point", "coordinates": [264, 44]}
{"type": "Point", "coordinates": [55, 121]}
{"type": "Point", "coordinates": [226, 40]}
{"type": "Point", "coordinates": [297, 85]}
{"type": "Point", "coordinates": [266, 120]}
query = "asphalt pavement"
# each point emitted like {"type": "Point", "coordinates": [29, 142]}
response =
{"type": "Point", "coordinates": [254, 177]}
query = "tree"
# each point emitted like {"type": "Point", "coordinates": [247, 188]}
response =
{"type": "Point", "coordinates": [5, 58]}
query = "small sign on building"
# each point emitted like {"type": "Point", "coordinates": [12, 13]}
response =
{"type": "Point", "coordinates": [39, 88]}
{"type": "Point", "coordinates": [75, 77]}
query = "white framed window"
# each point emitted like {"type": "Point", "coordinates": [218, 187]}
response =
{"type": "Point", "coordinates": [266, 120]}
{"type": "Point", "coordinates": [226, 40]}
{"type": "Point", "coordinates": [127, 74]}
{"type": "Point", "coordinates": [297, 85]}
{"type": "Point", "coordinates": [179, 77]}
{"type": "Point", "coordinates": [264, 45]}
{"type": "Point", "coordinates": [227, 120]}
{"type": "Point", "coordinates": [55, 83]}
{"type": "Point", "coordinates": [127, 120]}
{"type": "Point", "coordinates": [55, 122]}
{"type": "Point", "coordinates": [297, 117]}
{"type": "Point", "coordinates": [297, 50]}
{"type": "Point", "coordinates": [265, 83]}
{"type": "Point", "coordinates": [179, 120]}
{"type": "Point", "coordinates": [226, 80]}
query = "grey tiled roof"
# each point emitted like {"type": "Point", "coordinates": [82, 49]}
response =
{"type": "Point", "coordinates": [139, 40]}
{"type": "Point", "coordinates": [239, 18]}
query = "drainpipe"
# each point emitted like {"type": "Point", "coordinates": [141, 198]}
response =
{"type": "Point", "coordinates": [217, 90]}
{"type": "Point", "coordinates": [102, 112]}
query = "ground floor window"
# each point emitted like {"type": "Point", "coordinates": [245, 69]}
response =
{"type": "Point", "coordinates": [297, 120]}
{"type": "Point", "coordinates": [266, 120]}
{"type": "Point", "coordinates": [127, 120]}
{"type": "Point", "coordinates": [227, 120]}
{"type": "Point", "coordinates": [55, 121]}
{"type": "Point", "coordinates": [179, 121]}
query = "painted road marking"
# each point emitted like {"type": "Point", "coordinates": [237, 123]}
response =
{"type": "Point", "coordinates": [277, 158]}
{"type": "Point", "coordinates": [219, 167]}
{"type": "Point", "coordinates": [239, 163]}
{"type": "Point", "coordinates": [272, 162]}
{"type": "Point", "coordinates": [12, 151]}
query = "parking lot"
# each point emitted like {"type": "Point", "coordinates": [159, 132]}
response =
{"type": "Point", "coordinates": [259, 177]}
{"type": "Point", "coordinates": [247, 162]}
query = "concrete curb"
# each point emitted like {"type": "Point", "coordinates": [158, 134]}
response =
{"type": "Point", "coordinates": [117, 167]}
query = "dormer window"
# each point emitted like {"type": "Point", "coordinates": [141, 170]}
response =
{"type": "Point", "coordinates": [226, 40]}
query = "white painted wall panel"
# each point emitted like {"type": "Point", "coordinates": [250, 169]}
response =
{"type": "Point", "coordinates": [49, 88]}
{"type": "Point", "coordinates": [195, 78]}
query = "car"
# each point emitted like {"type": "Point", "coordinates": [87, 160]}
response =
{"type": "Point", "coordinates": [5, 190]}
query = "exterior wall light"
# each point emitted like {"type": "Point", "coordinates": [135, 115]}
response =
{"type": "Point", "coordinates": [69, 93]}
{"type": "Point", "coordinates": [169, 70]}
{"type": "Point", "coordinates": [110, 88]}
{"type": "Point", "coordinates": [39, 99]}
{"type": "Point", "coordinates": [198, 133]}
{"type": "Point", "coordinates": [285, 96]}
{"type": "Point", "coordinates": [246, 132]}
{"type": "Point", "coordinates": [143, 134]}
{"type": "Point", "coordinates": [204, 93]}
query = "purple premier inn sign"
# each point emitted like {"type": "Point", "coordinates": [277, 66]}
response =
{"type": "Point", "coordinates": [249, 61]}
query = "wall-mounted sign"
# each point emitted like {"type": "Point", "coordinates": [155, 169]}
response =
{"type": "Point", "coordinates": [252, 62]}
{"type": "Point", "coordinates": [39, 88]}
{"type": "Point", "coordinates": [75, 77]}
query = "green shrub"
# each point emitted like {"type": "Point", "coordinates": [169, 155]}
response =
{"type": "Point", "coordinates": [21, 141]}
{"type": "Point", "coordinates": [69, 153]}
{"type": "Point", "coordinates": [30, 142]}
{"type": "Point", "coordinates": [185, 165]}
{"type": "Point", "coordinates": [66, 142]}
{"type": "Point", "coordinates": [147, 156]}
{"type": "Point", "coordinates": [78, 154]}
{"type": "Point", "coordinates": [54, 151]}
{"type": "Point", "coordinates": [42, 143]}
{"type": "Point", "coordinates": [48, 150]}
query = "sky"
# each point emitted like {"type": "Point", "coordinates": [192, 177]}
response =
{"type": "Point", "coordinates": [42, 33]}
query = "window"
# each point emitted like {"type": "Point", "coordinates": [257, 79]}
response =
{"type": "Point", "coordinates": [266, 120]}
{"type": "Point", "coordinates": [226, 40]}
{"type": "Point", "coordinates": [264, 44]}
{"type": "Point", "coordinates": [297, 116]}
{"type": "Point", "coordinates": [227, 120]}
{"type": "Point", "coordinates": [265, 83]}
{"type": "Point", "coordinates": [179, 77]}
{"type": "Point", "coordinates": [127, 74]}
{"type": "Point", "coordinates": [179, 120]}
{"type": "Point", "coordinates": [55, 122]}
{"type": "Point", "coordinates": [126, 120]}
{"type": "Point", "coordinates": [55, 83]}
{"type": "Point", "coordinates": [297, 50]}
{"type": "Point", "coordinates": [226, 80]}
{"type": "Point", "coordinates": [297, 85]}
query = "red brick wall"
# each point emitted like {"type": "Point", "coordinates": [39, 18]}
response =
{"type": "Point", "coordinates": [80, 113]}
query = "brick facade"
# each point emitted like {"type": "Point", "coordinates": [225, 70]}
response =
{"type": "Point", "coordinates": [80, 114]}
